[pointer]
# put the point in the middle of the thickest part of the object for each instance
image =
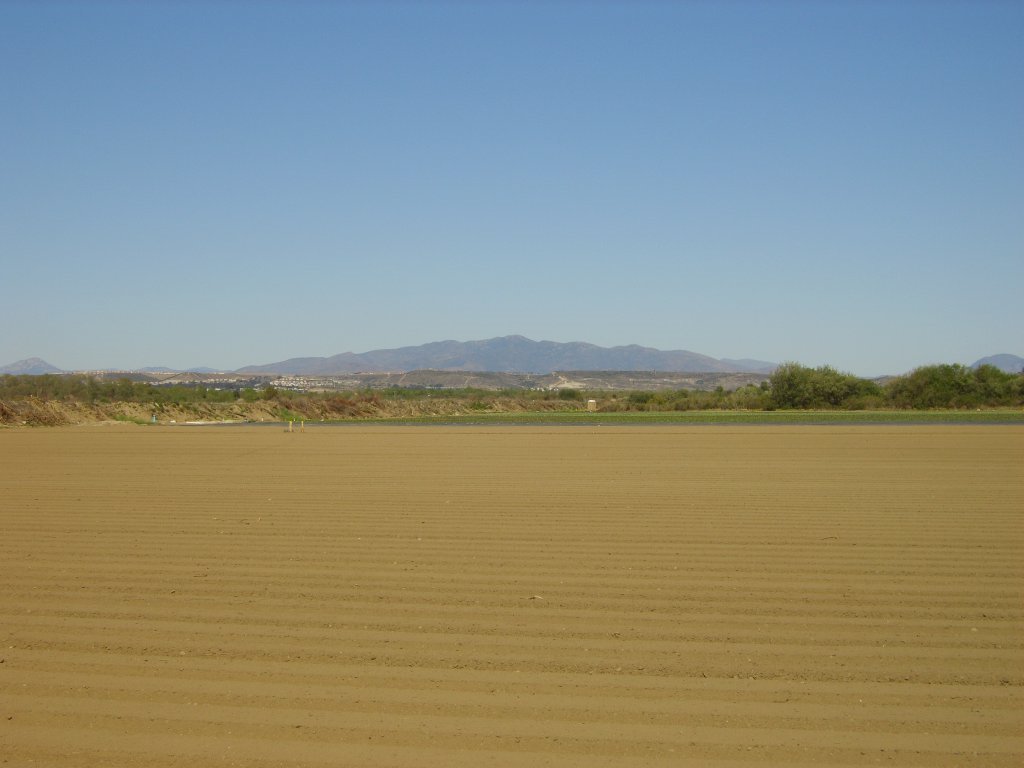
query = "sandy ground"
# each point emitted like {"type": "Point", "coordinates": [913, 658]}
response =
{"type": "Point", "coordinates": [428, 596]}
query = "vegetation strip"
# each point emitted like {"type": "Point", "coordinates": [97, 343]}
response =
{"type": "Point", "coordinates": [654, 418]}
{"type": "Point", "coordinates": [792, 394]}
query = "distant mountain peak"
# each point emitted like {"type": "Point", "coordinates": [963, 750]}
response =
{"type": "Point", "coordinates": [1004, 362]}
{"type": "Point", "coordinates": [32, 366]}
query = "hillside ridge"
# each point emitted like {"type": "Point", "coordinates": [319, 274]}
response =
{"type": "Point", "coordinates": [514, 353]}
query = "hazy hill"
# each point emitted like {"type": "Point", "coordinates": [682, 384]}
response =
{"type": "Point", "coordinates": [33, 366]}
{"type": "Point", "coordinates": [510, 353]}
{"type": "Point", "coordinates": [753, 366]}
{"type": "Point", "coordinates": [165, 369]}
{"type": "Point", "coordinates": [1004, 362]}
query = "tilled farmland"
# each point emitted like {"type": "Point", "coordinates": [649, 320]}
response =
{"type": "Point", "coordinates": [516, 596]}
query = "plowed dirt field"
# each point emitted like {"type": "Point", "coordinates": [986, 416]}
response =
{"type": "Point", "coordinates": [525, 596]}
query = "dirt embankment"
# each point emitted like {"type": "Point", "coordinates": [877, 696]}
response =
{"type": "Point", "coordinates": [35, 412]}
{"type": "Point", "coordinates": [38, 412]}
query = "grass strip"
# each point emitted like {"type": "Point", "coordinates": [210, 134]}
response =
{"type": "Point", "coordinates": [721, 417]}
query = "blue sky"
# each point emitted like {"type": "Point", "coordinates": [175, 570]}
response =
{"type": "Point", "coordinates": [233, 183]}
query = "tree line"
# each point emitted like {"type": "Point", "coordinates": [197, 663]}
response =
{"type": "Point", "coordinates": [91, 390]}
{"type": "Point", "coordinates": [934, 386]}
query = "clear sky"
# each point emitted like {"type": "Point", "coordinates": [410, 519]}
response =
{"type": "Point", "coordinates": [234, 183]}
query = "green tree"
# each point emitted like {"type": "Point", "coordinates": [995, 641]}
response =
{"type": "Point", "coordinates": [796, 386]}
{"type": "Point", "coordinates": [790, 386]}
{"type": "Point", "coordinates": [955, 386]}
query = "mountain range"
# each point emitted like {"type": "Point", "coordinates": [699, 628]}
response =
{"type": "Point", "coordinates": [512, 354]}
{"type": "Point", "coordinates": [503, 354]}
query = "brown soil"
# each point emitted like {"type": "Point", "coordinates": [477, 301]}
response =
{"type": "Point", "coordinates": [353, 596]}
